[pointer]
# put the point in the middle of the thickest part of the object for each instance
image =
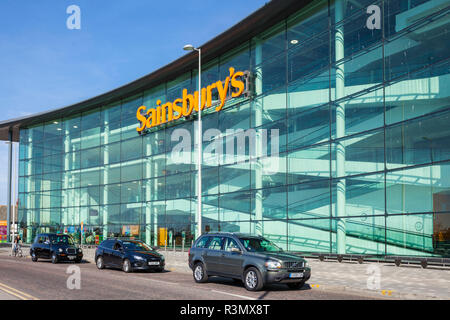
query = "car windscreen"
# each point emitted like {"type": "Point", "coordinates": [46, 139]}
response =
{"type": "Point", "coordinates": [259, 245]}
{"type": "Point", "coordinates": [136, 246]}
{"type": "Point", "coordinates": [61, 239]}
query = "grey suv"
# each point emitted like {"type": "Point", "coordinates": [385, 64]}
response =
{"type": "Point", "coordinates": [251, 259]}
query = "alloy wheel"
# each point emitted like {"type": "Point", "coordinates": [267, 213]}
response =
{"type": "Point", "coordinates": [251, 279]}
{"type": "Point", "coordinates": [100, 263]}
{"type": "Point", "coordinates": [198, 273]}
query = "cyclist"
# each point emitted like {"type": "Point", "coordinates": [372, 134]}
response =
{"type": "Point", "coordinates": [17, 240]}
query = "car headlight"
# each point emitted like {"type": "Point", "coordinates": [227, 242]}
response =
{"type": "Point", "coordinates": [306, 264]}
{"type": "Point", "coordinates": [271, 264]}
{"type": "Point", "coordinates": [60, 250]}
{"type": "Point", "coordinates": [80, 250]}
{"type": "Point", "coordinates": [138, 258]}
{"type": "Point", "coordinates": [162, 258]}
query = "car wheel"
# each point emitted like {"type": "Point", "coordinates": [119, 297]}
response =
{"type": "Point", "coordinates": [296, 285]}
{"type": "Point", "coordinates": [126, 266]}
{"type": "Point", "coordinates": [100, 264]}
{"type": "Point", "coordinates": [78, 260]}
{"type": "Point", "coordinates": [200, 275]}
{"type": "Point", "coordinates": [160, 269]}
{"type": "Point", "coordinates": [54, 258]}
{"type": "Point", "coordinates": [253, 280]}
{"type": "Point", "coordinates": [34, 258]}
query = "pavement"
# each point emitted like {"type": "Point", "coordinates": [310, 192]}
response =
{"type": "Point", "coordinates": [349, 279]}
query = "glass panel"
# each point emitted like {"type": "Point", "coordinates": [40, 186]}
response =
{"type": "Point", "coordinates": [235, 206]}
{"type": "Point", "coordinates": [362, 154]}
{"type": "Point", "coordinates": [270, 203]}
{"type": "Point", "coordinates": [308, 57]}
{"type": "Point", "coordinates": [417, 235]}
{"type": "Point", "coordinates": [309, 200]}
{"type": "Point", "coordinates": [363, 235]}
{"type": "Point", "coordinates": [309, 164]}
{"type": "Point", "coordinates": [418, 190]}
{"type": "Point", "coordinates": [309, 235]}
{"type": "Point", "coordinates": [269, 44]}
{"type": "Point", "coordinates": [178, 186]}
{"type": "Point", "coordinates": [307, 23]}
{"type": "Point", "coordinates": [131, 171]}
{"type": "Point", "coordinates": [131, 192]}
{"type": "Point", "coordinates": [234, 177]}
{"type": "Point", "coordinates": [418, 94]}
{"type": "Point", "coordinates": [419, 141]}
{"type": "Point", "coordinates": [418, 47]}
{"type": "Point", "coordinates": [131, 149]}
{"type": "Point", "coordinates": [269, 108]}
{"type": "Point", "coordinates": [364, 196]}
{"type": "Point", "coordinates": [400, 15]}
{"type": "Point", "coordinates": [310, 126]}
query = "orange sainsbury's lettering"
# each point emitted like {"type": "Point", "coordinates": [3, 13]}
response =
{"type": "Point", "coordinates": [237, 84]}
{"type": "Point", "coordinates": [141, 118]}
{"type": "Point", "coordinates": [185, 105]}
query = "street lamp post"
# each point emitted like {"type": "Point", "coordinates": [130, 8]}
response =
{"type": "Point", "coordinates": [190, 47]}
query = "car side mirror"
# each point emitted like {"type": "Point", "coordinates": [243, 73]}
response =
{"type": "Point", "coordinates": [236, 250]}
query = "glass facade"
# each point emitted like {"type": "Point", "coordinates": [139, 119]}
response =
{"type": "Point", "coordinates": [359, 95]}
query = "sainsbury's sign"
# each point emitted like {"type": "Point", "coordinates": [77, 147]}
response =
{"type": "Point", "coordinates": [235, 85]}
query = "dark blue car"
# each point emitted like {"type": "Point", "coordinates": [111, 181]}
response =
{"type": "Point", "coordinates": [128, 255]}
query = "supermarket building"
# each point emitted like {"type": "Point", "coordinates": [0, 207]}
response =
{"type": "Point", "coordinates": [358, 92]}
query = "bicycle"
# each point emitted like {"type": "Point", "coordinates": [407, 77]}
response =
{"type": "Point", "coordinates": [17, 251]}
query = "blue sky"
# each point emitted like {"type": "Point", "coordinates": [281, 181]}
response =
{"type": "Point", "coordinates": [44, 65]}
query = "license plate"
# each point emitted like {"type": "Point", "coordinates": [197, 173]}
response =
{"type": "Point", "coordinates": [71, 257]}
{"type": "Point", "coordinates": [153, 263]}
{"type": "Point", "coordinates": [296, 275]}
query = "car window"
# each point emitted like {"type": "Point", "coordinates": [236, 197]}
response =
{"type": "Point", "coordinates": [230, 244]}
{"type": "Point", "coordinates": [117, 246]}
{"type": "Point", "coordinates": [136, 246]}
{"type": "Point", "coordinates": [215, 244]}
{"type": "Point", "coordinates": [108, 244]}
{"type": "Point", "coordinates": [61, 239]}
{"type": "Point", "coordinates": [259, 245]}
{"type": "Point", "coordinates": [202, 243]}
{"type": "Point", "coordinates": [46, 240]}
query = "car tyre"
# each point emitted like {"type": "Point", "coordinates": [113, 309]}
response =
{"type": "Point", "coordinates": [126, 266]}
{"type": "Point", "coordinates": [100, 263]}
{"type": "Point", "coordinates": [54, 258]}
{"type": "Point", "coordinates": [253, 280]}
{"type": "Point", "coordinates": [199, 273]}
{"type": "Point", "coordinates": [296, 285]}
{"type": "Point", "coordinates": [34, 258]}
{"type": "Point", "coordinates": [78, 260]}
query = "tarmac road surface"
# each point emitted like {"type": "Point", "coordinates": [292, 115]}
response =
{"type": "Point", "coordinates": [26, 280]}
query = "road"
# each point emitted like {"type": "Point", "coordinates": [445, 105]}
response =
{"type": "Point", "coordinates": [26, 280]}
